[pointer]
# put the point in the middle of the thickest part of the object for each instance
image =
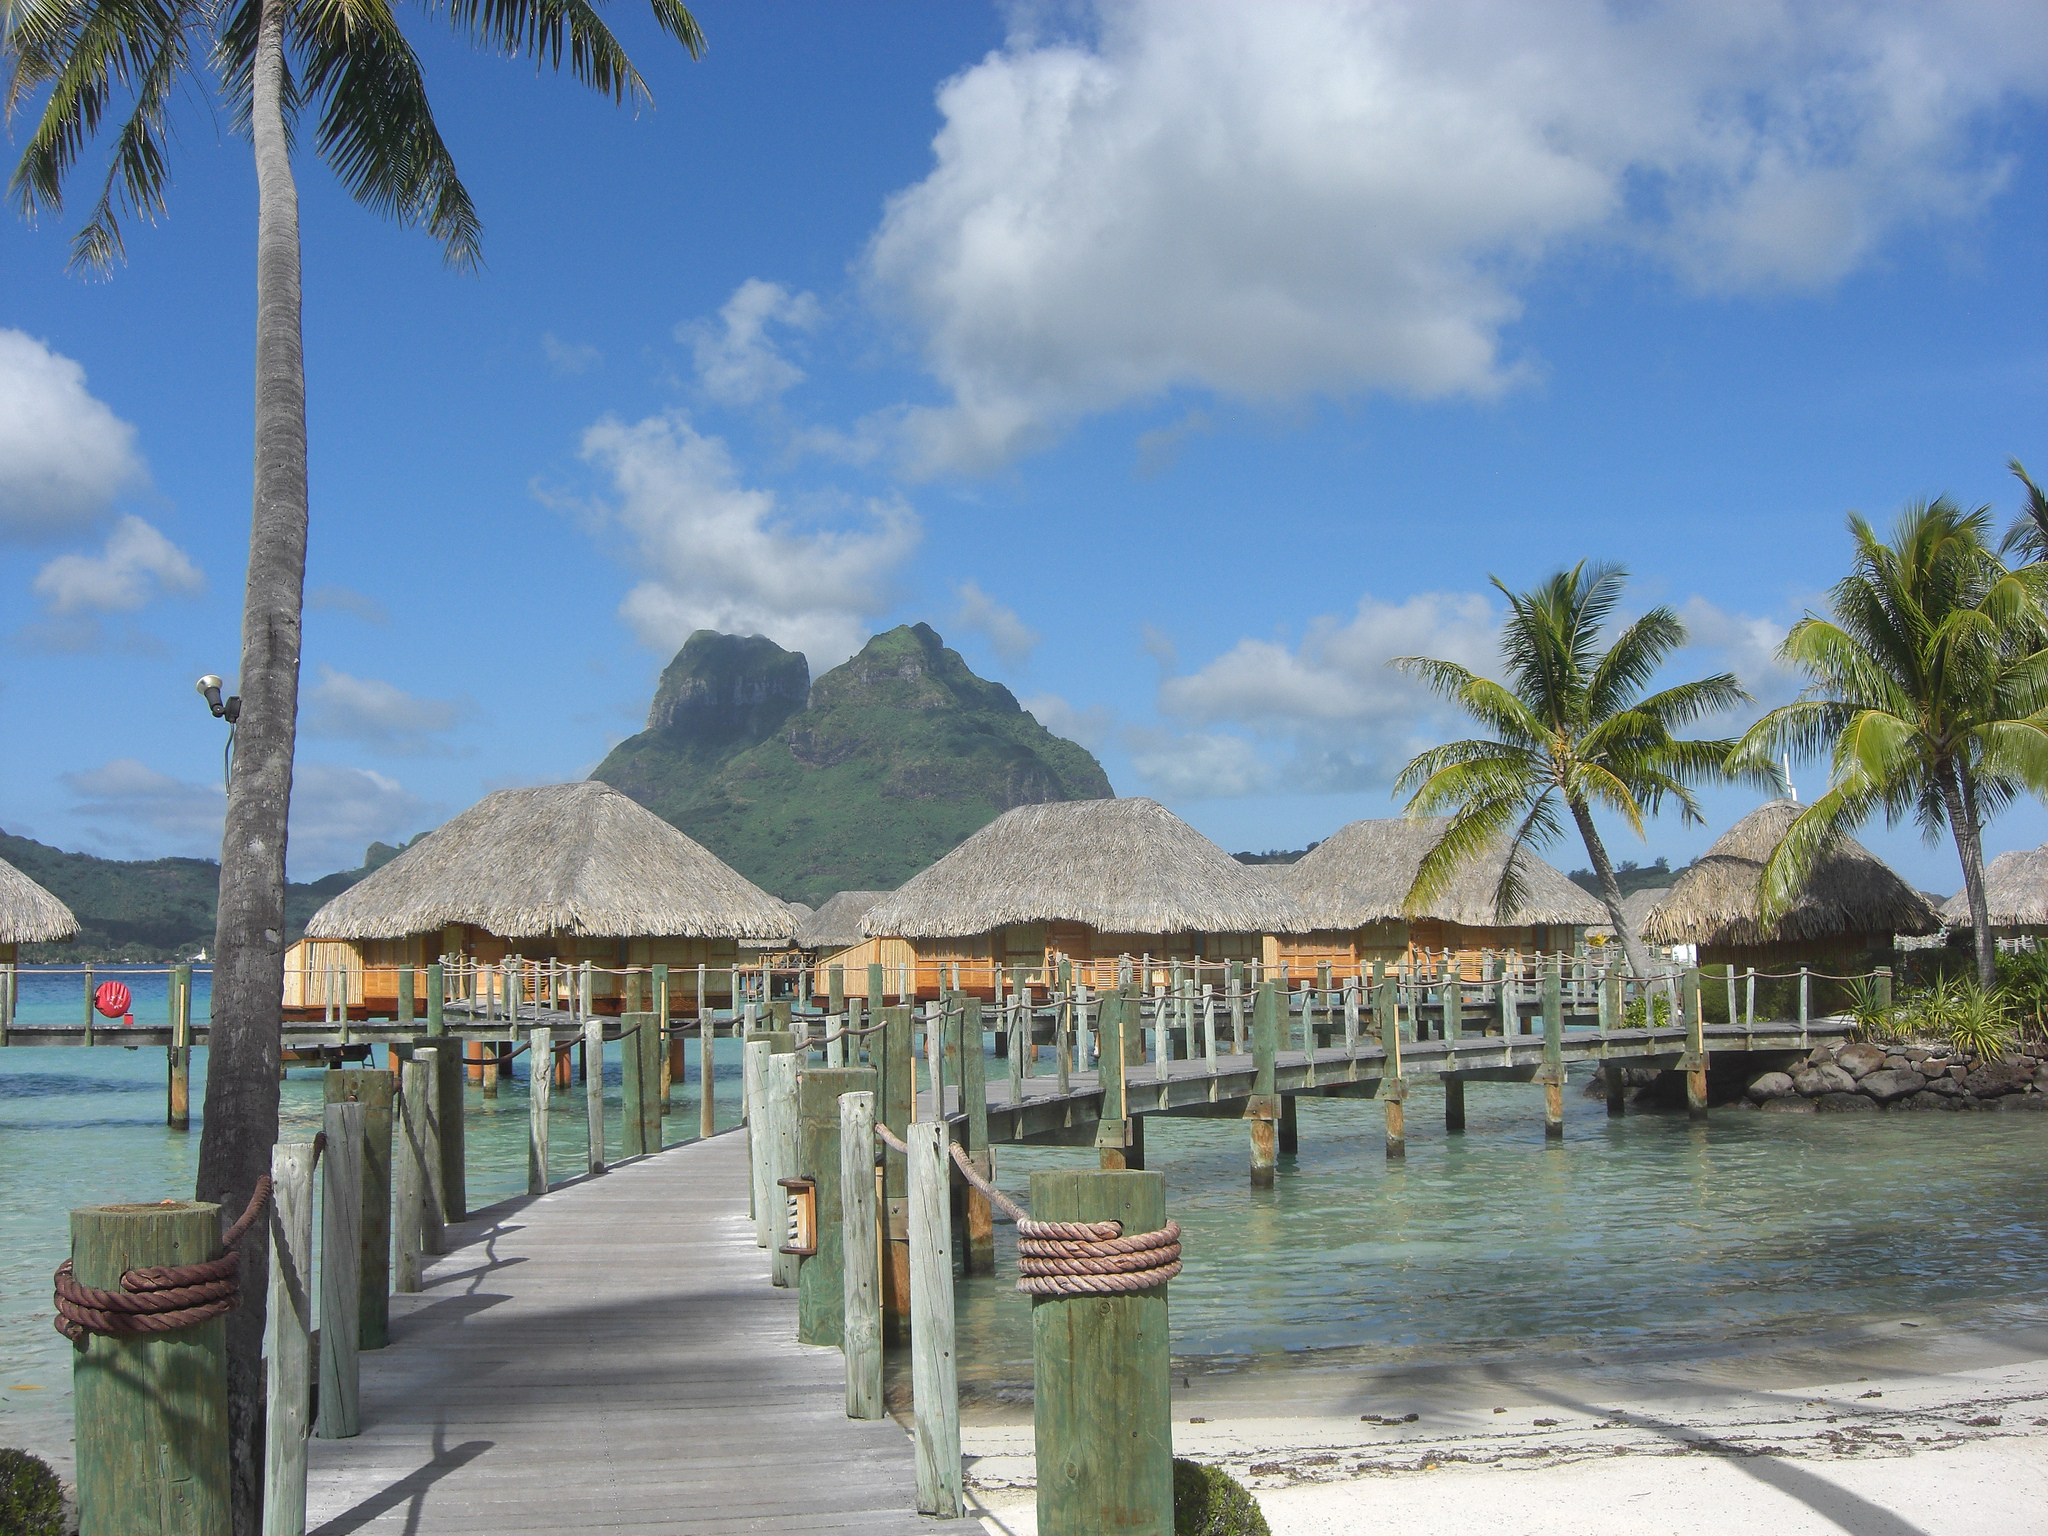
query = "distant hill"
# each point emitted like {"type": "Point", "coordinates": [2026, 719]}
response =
{"type": "Point", "coordinates": [1631, 877]}
{"type": "Point", "coordinates": [854, 782]}
{"type": "Point", "coordinates": [1277, 855]}
{"type": "Point", "coordinates": [153, 910]}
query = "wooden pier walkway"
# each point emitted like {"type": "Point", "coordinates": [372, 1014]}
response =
{"type": "Point", "coordinates": [611, 1357]}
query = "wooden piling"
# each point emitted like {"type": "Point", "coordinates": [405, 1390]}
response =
{"type": "Point", "coordinates": [1454, 1103]}
{"type": "Point", "coordinates": [1695, 1048]}
{"type": "Point", "coordinates": [1114, 1020]}
{"type": "Point", "coordinates": [1262, 1109]}
{"type": "Point", "coordinates": [821, 1277]}
{"type": "Point", "coordinates": [934, 1383]}
{"type": "Point", "coordinates": [981, 1226]}
{"type": "Point", "coordinates": [1393, 1086]}
{"type": "Point", "coordinates": [860, 1258]}
{"type": "Point", "coordinates": [178, 1090]}
{"type": "Point", "coordinates": [1289, 1133]}
{"type": "Point", "coordinates": [781, 1104]}
{"type": "Point", "coordinates": [754, 1071]}
{"type": "Point", "coordinates": [540, 1087]}
{"type": "Point", "coordinates": [373, 1090]}
{"type": "Point", "coordinates": [414, 1190]}
{"type": "Point", "coordinates": [895, 1095]}
{"type": "Point", "coordinates": [707, 1065]}
{"type": "Point", "coordinates": [149, 1410]}
{"type": "Point", "coordinates": [593, 1090]}
{"type": "Point", "coordinates": [1551, 1074]}
{"type": "Point", "coordinates": [288, 1358]}
{"type": "Point", "coordinates": [1101, 1405]}
{"type": "Point", "coordinates": [341, 1270]}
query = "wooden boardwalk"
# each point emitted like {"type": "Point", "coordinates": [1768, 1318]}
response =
{"type": "Point", "coordinates": [611, 1357]}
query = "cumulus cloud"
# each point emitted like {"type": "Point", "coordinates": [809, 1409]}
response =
{"type": "Point", "coordinates": [336, 812]}
{"type": "Point", "coordinates": [720, 555]}
{"type": "Point", "coordinates": [333, 599]}
{"type": "Point", "coordinates": [1743, 643]}
{"type": "Point", "coordinates": [1093, 727]}
{"type": "Point", "coordinates": [1007, 635]}
{"type": "Point", "coordinates": [1272, 201]}
{"type": "Point", "coordinates": [64, 455]}
{"type": "Point", "coordinates": [738, 362]}
{"type": "Point", "coordinates": [1199, 765]}
{"type": "Point", "coordinates": [376, 713]}
{"type": "Point", "coordinates": [136, 563]}
{"type": "Point", "coordinates": [569, 356]}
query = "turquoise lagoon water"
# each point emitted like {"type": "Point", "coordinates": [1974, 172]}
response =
{"type": "Point", "coordinates": [1648, 1235]}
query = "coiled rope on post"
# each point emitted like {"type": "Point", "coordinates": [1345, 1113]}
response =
{"type": "Point", "coordinates": [1073, 1258]}
{"type": "Point", "coordinates": [164, 1298]}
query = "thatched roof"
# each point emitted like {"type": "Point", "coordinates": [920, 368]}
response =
{"type": "Point", "coordinates": [1850, 891]}
{"type": "Point", "coordinates": [2015, 890]}
{"type": "Point", "coordinates": [837, 923]}
{"type": "Point", "coordinates": [564, 859]}
{"type": "Point", "coordinates": [1362, 873]}
{"type": "Point", "coordinates": [1635, 906]}
{"type": "Point", "coordinates": [800, 911]}
{"type": "Point", "coordinates": [1119, 866]}
{"type": "Point", "coordinates": [29, 914]}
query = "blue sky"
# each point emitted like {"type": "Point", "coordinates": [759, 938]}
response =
{"type": "Point", "coordinates": [1179, 362]}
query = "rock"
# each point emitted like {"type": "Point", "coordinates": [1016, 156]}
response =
{"type": "Point", "coordinates": [1825, 1078]}
{"type": "Point", "coordinates": [1843, 1103]}
{"type": "Point", "coordinates": [1891, 1083]}
{"type": "Point", "coordinates": [1791, 1104]}
{"type": "Point", "coordinates": [1930, 1101]}
{"type": "Point", "coordinates": [1822, 1054]}
{"type": "Point", "coordinates": [1860, 1059]}
{"type": "Point", "coordinates": [1915, 1054]}
{"type": "Point", "coordinates": [1772, 1085]}
{"type": "Point", "coordinates": [1958, 1071]}
{"type": "Point", "coordinates": [1944, 1088]}
{"type": "Point", "coordinates": [2033, 1102]}
{"type": "Point", "coordinates": [1894, 1062]}
{"type": "Point", "coordinates": [1993, 1079]}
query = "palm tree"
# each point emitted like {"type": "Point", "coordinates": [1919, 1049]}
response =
{"type": "Point", "coordinates": [2028, 534]}
{"type": "Point", "coordinates": [1929, 690]}
{"type": "Point", "coordinates": [272, 61]}
{"type": "Point", "coordinates": [1571, 725]}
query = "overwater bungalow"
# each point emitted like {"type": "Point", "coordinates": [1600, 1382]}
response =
{"type": "Point", "coordinates": [29, 914]}
{"type": "Point", "coordinates": [1353, 889]}
{"type": "Point", "coordinates": [563, 872]}
{"type": "Point", "coordinates": [1635, 906]}
{"type": "Point", "coordinates": [831, 936]}
{"type": "Point", "coordinates": [1846, 919]}
{"type": "Point", "coordinates": [1085, 880]}
{"type": "Point", "coordinates": [2016, 894]}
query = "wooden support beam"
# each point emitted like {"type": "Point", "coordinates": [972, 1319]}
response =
{"type": "Point", "coordinates": [1696, 1046]}
{"type": "Point", "coordinates": [821, 1280]}
{"type": "Point", "coordinates": [1289, 1131]}
{"type": "Point", "coordinates": [981, 1227]}
{"type": "Point", "coordinates": [1454, 1104]}
{"type": "Point", "coordinates": [860, 1250]}
{"type": "Point", "coordinates": [754, 1068]}
{"type": "Point", "coordinates": [895, 1099]}
{"type": "Point", "coordinates": [1262, 1108]}
{"type": "Point", "coordinates": [374, 1091]}
{"type": "Point", "coordinates": [934, 1383]}
{"type": "Point", "coordinates": [540, 1085]}
{"type": "Point", "coordinates": [288, 1357]}
{"type": "Point", "coordinates": [1101, 1375]}
{"type": "Point", "coordinates": [178, 1089]}
{"type": "Point", "coordinates": [781, 1104]}
{"type": "Point", "coordinates": [1113, 1022]}
{"type": "Point", "coordinates": [1552, 1075]}
{"type": "Point", "coordinates": [341, 1270]}
{"type": "Point", "coordinates": [593, 1092]}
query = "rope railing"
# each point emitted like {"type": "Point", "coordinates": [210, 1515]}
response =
{"type": "Point", "coordinates": [164, 1298]}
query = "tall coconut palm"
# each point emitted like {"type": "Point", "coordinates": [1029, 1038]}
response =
{"type": "Point", "coordinates": [1929, 692]}
{"type": "Point", "coordinates": [2028, 535]}
{"type": "Point", "coordinates": [1571, 726]}
{"type": "Point", "coordinates": [272, 61]}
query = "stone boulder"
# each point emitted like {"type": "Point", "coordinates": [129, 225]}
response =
{"type": "Point", "coordinates": [1931, 1101]}
{"type": "Point", "coordinates": [1822, 1054]}
{"type": "Point", "coordinates": [1944, 1088]}
{"type": "Point", "coordinates": [2021, 1101]}
{"type": "Point", "coordinates": [1891, 1083]}
{"type": "Point", "coordinates": [1772, 1085]}
{"type": "Point", "coordinates": [1791, 1104]}
{"type": "Point", "coordinates": [1825, 1078]}
{"type": "Point", "coordinates": [1994, 1079]}
{"type": "Point", "coordinates": [1843, 1103]}
{"type": "Point", "coordinates": [1861, 1059]}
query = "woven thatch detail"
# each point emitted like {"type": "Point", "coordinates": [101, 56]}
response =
{"type": "Point", "coordinates": [1851, 891]}
{"type": "Point", "coordinates": [2015, 891]}
{"type": "Point", "coordinates": [1118, 866]}
{"type": "Point", "coordinates": [1635, 906]}
{"type": "Point", "coordinates": [836, 924]}
{"type": "Point", "coordinates": [29, 914]}
{"type": "Point", "coordinates": [577, 860]}
{"type": "Point", "coordinates": [1362, 873]}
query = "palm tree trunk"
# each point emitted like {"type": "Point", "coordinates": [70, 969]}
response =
{"type": "Point", "coordinates": [248, 975]}
{"type": "Point", "coordinates": [1960, 791]}
{"type": "Point", "coordinates": [1610, 890]}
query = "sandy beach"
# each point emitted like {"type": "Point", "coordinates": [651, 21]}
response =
{"type": "Point", "coordinates": [1892, 1429]}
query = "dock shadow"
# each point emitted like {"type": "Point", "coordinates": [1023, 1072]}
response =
{"type": "Point", "coordinates": [412, 1488]}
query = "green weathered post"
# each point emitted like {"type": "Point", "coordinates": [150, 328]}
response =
{"type": "Point", "coordinates": [671, 1045]}
{"type": "Point", "coordinates": [1695, 1048]}
{"type": "Point", "coordinates": [288, 1358]}
{"type": "Point", "coordinates": [373, 1090]}
{"type": "Point", "coordinates": [1884, 990]}
{"type": "Point", "coordinates": [934, 1376]}
{"type": "Point", "coordinates": [781, 1101]}
{"type": "Point", "coordinates": [1454, 1031]}
{"type": "Point", "coordinates": [754, 1116]}
{"type": "Point", "coordinates": [406, 1011]}
{"type": "Point", "coordinates": [450, 1072]}
{"type": "Point", "coordinates": [875, 988]}
{"type": "Point", "coordinates": [895, 1093]}
{"type": "Point", "coordinates": [89, 1008]}
{"type": "Point", "coordinates": [1101, 1412]}
{"type": "Point", "coordinates": [540, 1088]}
{"type": "Point", "coordinates": [178, 1105]}
{"type": "Point", "coordinates": [1113, 1130]}
{"type": "Point", "coordinates": [149, 1410]}
{"type": "Point", "coordinates": [1393, 1086]}
{"type": "Point", "coordinates": [835, 997]}
{"type": "Point", "coordinates": [639, 1084]}
{"type": "Point", "coordinates": [341, 1270]}
{"type": "Point", "coordinates": [821, 1279]}
{"type": "Point", "coordinates": [1063, 1052]}
{"type": "Point", "coordinates": [981, 1228]}
{"type": "Point", "coordinates": [1262, 1109]}
{"type": "Point", "coordinates": [1551, 1075]}
{"type": "Point", "coordinates": [860, 1255]}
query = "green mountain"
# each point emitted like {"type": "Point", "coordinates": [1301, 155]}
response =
{"type": "Point", "coordinates": [152, 910]}
{"type": "Point", "coordinates": [1631, 876]}
{"type": "Point", "coordinates": [854, 782]}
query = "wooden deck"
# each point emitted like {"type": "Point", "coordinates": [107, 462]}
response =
{"type": "Point", "coordinates": [611, 1357]}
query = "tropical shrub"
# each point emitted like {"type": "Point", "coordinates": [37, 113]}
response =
{"type": "Point", "coordinates": [31, 1498]}
{"type": "Point", "coordinates": [1634, 1013]}
{"type": "Point", "coordinates": [1865, 1003]}
{"type": "Point", "coordinates": [1979, 1025]}
{"type": "Point", "coordinates": [1208, 1501]}
{"type": "Point", "coordinates": [2023, 983]}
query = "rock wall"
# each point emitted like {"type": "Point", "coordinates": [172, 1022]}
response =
{"type": "Point", "coordinates": [1870, 1076]}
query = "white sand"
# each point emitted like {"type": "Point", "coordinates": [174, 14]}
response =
{"type": "Point", "coordinates": [1949, 1437]}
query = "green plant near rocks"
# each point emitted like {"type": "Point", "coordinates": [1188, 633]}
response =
{"type": "Point", "coordinates": [2023, 983]}
{"type": "Point", "coordinates": [1637, 1011]}
{"type": "Point", "coordinates": [1208, 1501]}
{"type": "Point", "coordinates": [1979, 1025]}
{"type": "Point", "coordinates": [1875, 1016]}
{"type": "Point", "coordinates": [32, 1500]}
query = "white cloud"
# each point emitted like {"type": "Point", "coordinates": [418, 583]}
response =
{"type": "Point", "coordinates": [720, 555]}
{"type": "Point", "coordinates": [569, 356]}
{"type": "Point", "coordinates": [1272, 201]}
{"type": "Point", "coordinates": [336, 812]}
{"type": "Point", "coordinates": [378, 714]}
{"type": "Point", "coordinates": [1199, 766]}
{"type": "Point", "coordinates": [738, 362]}
{"type": "Point", "coordinates": [1742, 643]}
{"type": "Point", "coordinates": [63, 455]}
{"type": "Point", "coordinates": [1007, 635]}
{"type": "Point", "coordinates": [333, 599]}
{"type": "Point", "coordinates": [1092, 727]}
{"type": "Point", "coordinates": [136, 562]}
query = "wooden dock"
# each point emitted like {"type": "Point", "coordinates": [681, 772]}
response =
{"type": "Point", "coordinates": [611, 1357]}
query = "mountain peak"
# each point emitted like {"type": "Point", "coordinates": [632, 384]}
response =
{"type": "Point", "coordinates": [909, 667]}
{"type": "Point", "coordinates": [723, 688]}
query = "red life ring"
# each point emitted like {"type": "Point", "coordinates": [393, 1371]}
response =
{"type": "Point", "coordinates": [111, 999]}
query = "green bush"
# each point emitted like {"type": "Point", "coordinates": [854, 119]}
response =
{"type": "Point", "coordinates": [2023, 983]}
{"type": "Point", "coordinates": [1634, 1014]}
{"type": "Point", "coordinates": [31, 1498]}
{"type": "Point", "coordinates": [1208, 1501]}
